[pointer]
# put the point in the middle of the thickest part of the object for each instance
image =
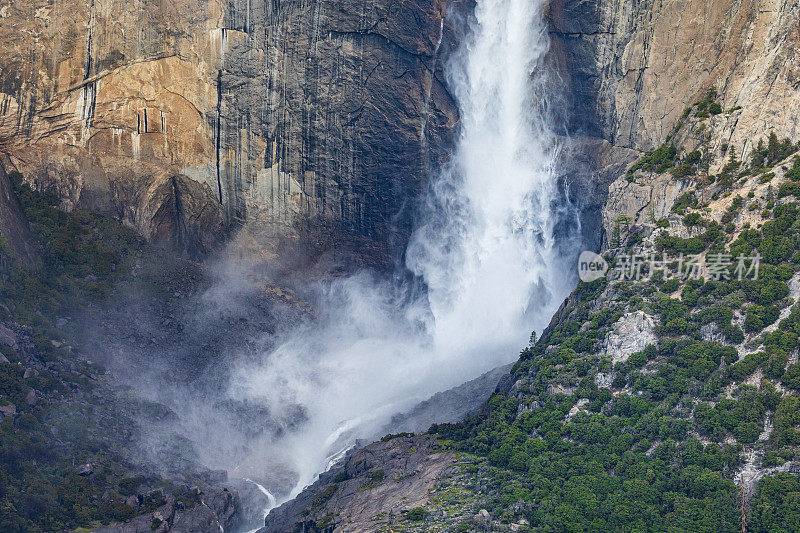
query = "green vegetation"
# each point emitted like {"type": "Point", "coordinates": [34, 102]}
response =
{"type": "Point", "coordinates": [593, 472]}
{"type": "Point", "coordinates": [693, 219]}
{"type": "Point", "coordinates": [43, 446]}
{"type": "Point", "coordinates": [775, 505]}
{"type": "Point", "coordinates": [694, 245]}
{"type": "Point", "coordinates": [325, 521]}
{"type": "Point", "coordinates": [322, 497]}
{"type": "Point", "coordinates": [391, 436]}
{"type": "Point", "coordinates": [81, 255]}
{"type": "Point", "coordinates": [687, 200]}
{"type": "Point", "coordinates": [41, 488]}
{"type": "Point", "coordinates": [659, 160]}
{"type": "Point", "coordinates": [417, 514]}
{"type": "Point", "coordinates": [688, 165]}
{"type": "Point", "coordinates": [773, 153]}
{"type": "Point", "coordinates": [587, 445]}
{"type": "Point", "coordinates": [708, 105]}
{"type": "Point", "coordinates": [759, 316]}
{"type": "Point", "coordinates": [794, 173]}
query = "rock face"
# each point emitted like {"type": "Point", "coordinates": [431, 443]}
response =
{"type": "Point", "coordinates": [640, 202]}
{"type": "Point", "coordinates": [632, 67]}
{"type": "Point", "coordinates": [448, 406]}
{"type": "Point", "coordinates": [214, 511]}
{"type": "Point", "coordinates": [632, 333]}
{"type": "Point", "coordinates": [14, 230]}
{"type": "Point", "coordinates": [375, 485]}
{"type": "Point", "coordinates": [301, 119]}
{"type": "Point", "coordinates": [203, 114]}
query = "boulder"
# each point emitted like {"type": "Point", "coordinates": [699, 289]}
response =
{"type": "Point", "coordinates": [8, 409]}
{"type": "Point", "coordinates": [7, 337]}
{"type": "Point", "coordinates": [31, 398]}
{"type": "Point", "coordinates": [631, 334]}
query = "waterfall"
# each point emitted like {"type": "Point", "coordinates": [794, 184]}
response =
{"type": "Point", "coordinates": [484, 249]}
{"type": "Point", "coordinates": [487, 244]}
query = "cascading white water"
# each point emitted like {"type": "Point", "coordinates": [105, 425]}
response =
{"type": "Point", "coordinates": [485, 250]}
{"type": "Point", "coordinates": [488, 243]}
{"type": "Point", "coordinates": [271, 501]}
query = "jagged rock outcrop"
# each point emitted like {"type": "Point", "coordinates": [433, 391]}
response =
{"type": "Point", "coordinates": [448, 406]}
{"type": "Point", "coordinates": [375, 486]}
{"type": "Point", "coordinates": [632, 333]}
{"type": "Point", "coordinates": [14, 230]}
{"type": "Point", "coordinates": [633, 203]}
{"type": "Point", "coordinates": [294, 115]}
{"type": "Point", "coordinates": [186, 216]}
{"type": "Point", "coordinates": [214, 510]}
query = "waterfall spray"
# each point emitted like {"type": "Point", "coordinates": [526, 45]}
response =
{"type": "Point", "coordinates": [485, 251]}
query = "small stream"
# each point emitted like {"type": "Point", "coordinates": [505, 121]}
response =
{"type": "Point", "coordinates": [272, 502]}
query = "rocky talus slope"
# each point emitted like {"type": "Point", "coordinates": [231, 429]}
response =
{"type": "Point", "coordinates": [102, 320]}
{"type": "Point", "coordinates": [78, 448]}
{"type": "Point", "coordinates": [374, 488]}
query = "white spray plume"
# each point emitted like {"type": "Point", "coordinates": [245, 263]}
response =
{"type": "Point", "coordinates": [485, 249]}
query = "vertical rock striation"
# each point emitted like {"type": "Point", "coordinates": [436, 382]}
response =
{"type": "Point", "coordinates": [633, 67]}
{"type": "Point", "coordinates": [291, 116]}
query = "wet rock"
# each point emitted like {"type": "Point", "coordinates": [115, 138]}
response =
{"type": "Point", "coordinates": [448, 406]}
{"type": "Point", "coordinates": [224, 503]}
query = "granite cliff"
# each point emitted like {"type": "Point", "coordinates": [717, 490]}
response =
{"type": "Point", "coordinates": [316, 123]}
{"type": "Point", "coordinates": [633, 67]}
{"type": "Point", "coordinates": [187, 119]}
